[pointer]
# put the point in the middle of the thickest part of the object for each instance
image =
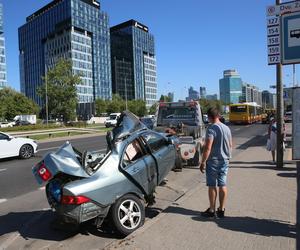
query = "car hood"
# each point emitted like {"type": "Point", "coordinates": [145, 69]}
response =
{"type": "Point", "coordinates": [127, 124]}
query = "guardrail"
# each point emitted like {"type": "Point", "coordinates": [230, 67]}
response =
{"type": "Point", "coordinates": [50, 132]}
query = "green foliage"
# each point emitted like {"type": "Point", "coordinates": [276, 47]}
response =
{"type": "Point", "coordinates": [13, 103]}
{"type": "Point", "coordinates": [117, 105]}
{"type": "Point", "coordinates": [206, 104]}
{"type": "Point", "coordinates": [153, 108]}
{"type": "Point", "coordinates": [61, 91]}
{"type": "Point", "coordinates": [165, 98]}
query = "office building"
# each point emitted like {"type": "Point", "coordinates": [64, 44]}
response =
{"type": "Point", "coordinates": [171, 96]}
{"type": "Point", "coordinates": [133, 62]}
{"type": "Point", "coordinates": [73, 29]}
{"type": "Point", "coordinates": [3, 74]}
{"type": "Point", "coordinates": [202, 92]}
{"type": "Point", "coordinates": [267, 100]}
{"type": "Point", "coordinates": [193, 94]}
{"type": "Point", "coordinates": [212, 97]}
{"type": "Point", "coordinates": [251, 93]}
{"type": "Point", "coordinates": [230, 87]}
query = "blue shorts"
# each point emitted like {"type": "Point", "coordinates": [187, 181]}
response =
{"type": "Point", "coordinates": [216, 173]}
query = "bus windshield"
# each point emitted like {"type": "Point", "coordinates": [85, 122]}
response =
{"type": "Point", "coordinates": [238, 109]}
{"type": "Point", "coordinates": [171, 114]}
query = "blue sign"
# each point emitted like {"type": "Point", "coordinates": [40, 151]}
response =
{"type": "Point", "coordinates": [291, 38]}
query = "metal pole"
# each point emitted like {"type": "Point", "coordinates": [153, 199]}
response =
{"type": "Point", "coordinates": [294, 75]}
{"type": "Point", "coordinates": [126, 93]}
{"type": "Point", "coordinates": [298, 206]}
{"type": "Point", "coordinates": [46, 87]}
{"type": "Point", "coordinates": [279, 111]}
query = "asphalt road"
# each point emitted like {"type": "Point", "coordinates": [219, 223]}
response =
{"type": "Point", "coordinates": [25, 217]}
{"type": "Point", "coordinates": [15, 174]}
{"type": "Point", "coordinates": [16, 177]}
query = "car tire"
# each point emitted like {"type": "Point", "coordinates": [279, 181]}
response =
{"type": "Point", "coordinates": [26, 151]}
{"type": "Point", "coordinates": [128, 214]}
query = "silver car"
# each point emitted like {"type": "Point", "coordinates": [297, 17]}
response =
{"type": "Point", "coordinates": [85, 186]}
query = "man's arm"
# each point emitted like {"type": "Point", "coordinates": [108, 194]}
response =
{"type": "Point", "coordinates": [206, 152]}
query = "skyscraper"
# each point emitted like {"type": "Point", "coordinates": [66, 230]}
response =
{"type": "Point", "coordinates": [193, 94]}
{"type": "Point", "coordinates": [230, 87]}
{"type": "Point", "coordinates": [202, 92]}
{"type": "Point", "coordinates": [133, 62]}
{"type": "Point", "coordinates": [73, 29]}
{"type": "Point", "coordinates": [3, 74]}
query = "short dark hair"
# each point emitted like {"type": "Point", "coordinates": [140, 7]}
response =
{"type": "Point", "coordinates": [213, 113]}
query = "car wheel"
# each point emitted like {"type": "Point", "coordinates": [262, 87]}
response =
{"type": "Point", "coordinates": [26, 151]}
{"type": "Point", "coordinates": [128, 214]}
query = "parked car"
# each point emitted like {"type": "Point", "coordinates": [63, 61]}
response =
{"type": "Point", "coordinates": [111, 121]}
{"type": "Point", "coordinates": [22, 123]}
{"type": "Point", "coordinates": [6, 124]}
{"type": "Point", "coordinates": [149, 122]}
{"type": "Point", "coordinates": [83, 186]}
{"type": "Point", "coordinates": [288, 117]}
{"type": "Point", "coordinates": [12, 146]}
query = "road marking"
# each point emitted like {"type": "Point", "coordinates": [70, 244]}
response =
{"type": "Point", "coordinates": [42, 188]}
{"type": "Point", "coordinates": [3, 200]}
{"type": "Point", "coordinates": [3, 169]}
{"type": "Point", "coordinates": [237, 129]}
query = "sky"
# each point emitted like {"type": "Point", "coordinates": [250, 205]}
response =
{"type": "Point", "coordinates": [195, 40]}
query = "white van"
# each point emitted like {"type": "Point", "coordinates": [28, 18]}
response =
{"type": "Point", "coordinates": [111, 121]}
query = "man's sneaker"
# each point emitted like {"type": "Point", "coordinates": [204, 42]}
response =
{"type": "Point", "coordinates": [221, 213]}
{"type": "Point", "coordinates": [208, 213]}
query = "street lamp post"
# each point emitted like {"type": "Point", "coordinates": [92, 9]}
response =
{"type": "Point", "coordinates": [126, 103]}
{"type": "Point", "coordinates": [46, 99]}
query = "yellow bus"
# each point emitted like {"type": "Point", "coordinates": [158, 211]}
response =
{"type": "Point", "coordinates": [245, 113]}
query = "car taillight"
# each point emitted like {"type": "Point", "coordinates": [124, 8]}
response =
{"type": "Point", "coordinates": [74, 200]}
{"type": "Point", "coordinates": [44, 173]}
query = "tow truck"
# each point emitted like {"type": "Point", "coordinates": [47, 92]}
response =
{"type": "Point", "coordinates": [185, 121]}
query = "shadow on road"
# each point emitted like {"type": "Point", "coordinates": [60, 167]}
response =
{"type": "Point", "coordinates": [257, 141]}
{"type": "Point", "coordinates": [45, 225]}
{"type": "Point", "coordinates": [272, 167]}
{"type": "Point", "coordinates": [288, 175]}
{"type": "Point", "coordinates": [245, 224]}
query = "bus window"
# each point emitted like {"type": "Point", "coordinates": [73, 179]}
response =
{"type": "Point", "coordinates": [238, 109]}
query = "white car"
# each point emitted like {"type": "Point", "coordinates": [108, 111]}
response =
{"type": "Point", "coordinates": [111, 121]}
{"type": "Point", "coordinates": [6, 124]}
{"type": "Point", "coordinates": [11, 146]}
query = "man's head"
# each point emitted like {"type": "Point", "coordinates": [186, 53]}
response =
{"type": "Point", "coordinates": [213, 114]}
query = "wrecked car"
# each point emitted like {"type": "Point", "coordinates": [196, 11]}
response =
{"type": "Point", "coordinates": [84, 186]}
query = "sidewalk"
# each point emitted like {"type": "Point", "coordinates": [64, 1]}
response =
{"type": "Point", "coordinates": [261, 212]}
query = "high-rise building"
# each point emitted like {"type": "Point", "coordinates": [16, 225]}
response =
{"type": "Point", "coordinates": [171, 96]}
{"type": "Point", "coordinates": [3, 74]}
{"type": "Point", "coordinates": [230, 87]}
{"type": "Point", "coordinates": [267, 100]}
{"type": "Point", "coordinates": [73, 29]}
{"type": "Point", "coordinates": [193, 94]}
{"type": "Point", "coordinates": [133, 62]}
{"type": "Point", "coordinates": [212, 97]}
{"type": "Point", "coordinates": [251, 93]}
{"type": "Point", "coordinates": [202, 92]}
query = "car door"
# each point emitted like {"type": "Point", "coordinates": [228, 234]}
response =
{"type": "Point", "coordinates": [139, 166]}
{"type": "Point", "coordinates": [7, 147]}
{"type": "Point", "coordinates": [163, 152]}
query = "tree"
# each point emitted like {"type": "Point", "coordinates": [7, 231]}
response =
{"type": "Point", "coordinates": [206, 104]}
{"type": "Point", "coordinates": [61, 91]}
{"type": "Point", "coordinates": [165, 98]}
{"type": "Point", "coordinates": [13, 103]}
{"type": "Point", "coordinates": [138, 107]}
{"type": "Point", "coordinates": [153, 109]}
{"type": "Point", "coordinates": [101, 106]}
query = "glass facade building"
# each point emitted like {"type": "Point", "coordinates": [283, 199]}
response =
{"type": "Point", "coordinates": [231, 87]}
{"type": "Point", "coordinates": [73, 29]}
{"type": "Point", "coordinates": [3, 74]}
{"type": "Point", "coordinates": [133, 62]}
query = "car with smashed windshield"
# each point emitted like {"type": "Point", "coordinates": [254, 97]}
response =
{"type": "Point", "coordinates": [87, 186]}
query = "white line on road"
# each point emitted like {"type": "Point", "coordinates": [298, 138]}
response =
{"type": "Point", "coordinates": [3, 200]}
{"type": "Point", "coordinates": [3, 169]}
{"type": "Point", "coordinates": [42, 188]}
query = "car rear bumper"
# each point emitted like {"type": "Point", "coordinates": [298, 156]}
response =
{"type": "Point", "coordinates": [77, 214]}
